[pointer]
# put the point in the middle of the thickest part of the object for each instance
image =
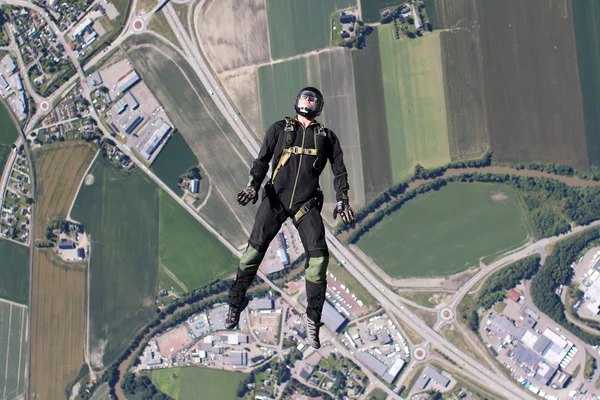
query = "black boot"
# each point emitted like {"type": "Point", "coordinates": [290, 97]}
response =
{"type": "Point", "coordinates": [315, 298]}
{"type": "Point", "coordinates": [237, 297]}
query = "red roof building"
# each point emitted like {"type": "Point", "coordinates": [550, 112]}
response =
{"type": "Point", "coordinates": [514, 295]}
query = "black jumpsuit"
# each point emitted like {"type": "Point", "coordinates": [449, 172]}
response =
{"type": "Point", "coordinates": [295, 184]}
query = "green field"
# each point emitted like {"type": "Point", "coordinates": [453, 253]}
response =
{"type": "Point", "coordinates": [174, 159]}
{"type": "Point", "coordinates": [223, 157]}
{"type": "Point", "coordinates": [431, 12]}
{"type": "Point", "coordinates": [370, 8]}
{"type": "Point", "coordinates": [299, 26]}
{"type": "Point", "coordinates": [188, 250]}
{"type": "Point", "coordinates": [197, 383]}
{"type": "Point", "coordinates": [13, 350]}
{"type": "Point", "coordinates": [279, 84]}
{"type": "Point", "coordinates": [4, 152]}
{"type": "Point", "coordinates": [586, 17]}
{"type": "Point", "coordinates": [14, 269]}
{"type": "Point", "coordinates": [414, 99]}
{"type": "Point", "coordinates": [378, 394]}
{"type": "Point", "coordinates": [447, 231]}
{"type": "Point", "coordinates": [372, 121]}
{"type": "Point", "coordinates": [101, 393]}
{"type": "Point", "coordinates": [8, 132]}
{"type": "Point", "coordinates": [121, 214]}
{"type": "Point", "coordinates": [223, 219]}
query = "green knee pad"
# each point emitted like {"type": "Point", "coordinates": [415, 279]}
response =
{"type": "Point", "coordinates": [316, 271]}
{"type": "Point", "coordinates": [251, 259]}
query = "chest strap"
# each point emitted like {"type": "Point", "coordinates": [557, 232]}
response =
{"type": "Point", "coordinates": [287, 154]}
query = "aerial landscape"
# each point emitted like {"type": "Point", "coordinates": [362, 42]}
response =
{"type": "Point", "coordinates": [470, 132]}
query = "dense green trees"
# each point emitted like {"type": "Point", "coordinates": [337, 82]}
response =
{"type": "Point", "coordinates": [557, 271]}
{"type": "Point", "coordinates": [142, 387]}
{"type": "Point", "coordinates": [495, 287]}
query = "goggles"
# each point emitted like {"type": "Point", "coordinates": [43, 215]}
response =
{"type": "Point", "coordinates": [309, 96]}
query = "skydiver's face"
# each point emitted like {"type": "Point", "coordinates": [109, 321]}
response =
{"type": "Point", "coordinates": [307, 100]}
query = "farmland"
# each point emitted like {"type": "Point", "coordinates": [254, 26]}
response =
{"type": "Point", "coordinates": [533, 97]}
{"type": "Point", "coordinates": [586, 18]}
{"type": "Point", "coordinates": [468, 134]}
{"type": "Point", "coordinates": [336, 80]}
{"type": "Point", "coordinates": [56, 346]}
{"type": "Point", "coordinates": [370, 8]}
{"type": "Point", "coordinates": [121, 214]}
{"type": "Point", "coordinates": [242, 87]}
{"type": "Point", "coordinates": [447, 231]}
{"type": "Point", "coordinates": [414, 99]}
{"type": "Point", "coordinates": [4, 152]}
{"type": "Point", "coordinates": [222, 155]}
{"type": "Point", "coordinates": [14, 285]}
{"type": "Point", "coordinates": [13, 350]}
{"type": "Point", "coordinates": [188, 250]}
{"type": "Point", "coordinates": [174, 159]}
{"type": "Point", "coordinates": [372, 121]}
{"type": "Point", "coordinates": [57, 327]}
{"type": "Point", "coordinates": [279, 83]}
{"type": "Point", "coordinates": [8, 133]}
{"type": "Point", "coordinates": [288, 36]}
{"type": "Point", "coordinates": [224, 219]}
{"type": "Point", "coordinates": [224, 40]}
{"type": "Point", "coordinates": [195, 383]}
{"type": "Point", "coordinates": [59, 169]}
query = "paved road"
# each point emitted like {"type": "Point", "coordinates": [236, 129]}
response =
{"type": "Point", "coordinates": [389, 302]}
{"type": "Point", "coordinates": [535, 247]}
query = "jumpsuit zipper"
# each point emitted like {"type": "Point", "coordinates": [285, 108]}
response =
{"type": "Point", "coordinates": [299, 165]}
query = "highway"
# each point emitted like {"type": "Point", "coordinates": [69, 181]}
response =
{"type": "Point", "coordinates": [390, 302]}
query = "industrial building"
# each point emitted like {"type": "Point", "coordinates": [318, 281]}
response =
{"type": "Point", "coordinates": [387, 374]}
{"type": "Point", "coordinates": [264, 304]}
{"type": "Point", "coordinates": [18, 82]}
{"type": "Point", "coordinates": [3, 83]}
{"type": "Point", "coordinates": [128, 122]}
{"type": "Point", "coordinates": [282, 251]}
{"type": "Point", "coordinates": [430, 374]}
{"type": "Point", "coordinates": [538, 355]}
{"type": "Point", "coordinates": [8, 65]}
{"type": "Point", "coordinates": [127, 101]}
{"type": "Point", "coordinates": [195, 185]}
{"type": "Point", "coordinates": [161, 130]}
{"type": "Point", "coordinates": [127, 81]}
{"type": "Point", "coordinates": [590, 286]}
{"type": "Point", "coordinates": [239, 358]}
{"type": "Point", "coordinates": [66, 244]}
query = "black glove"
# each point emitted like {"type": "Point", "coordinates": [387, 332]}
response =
{"type": "Point", "coordinates": [249, 193]}
{"type": "Point", "coordinates": [345, 211]}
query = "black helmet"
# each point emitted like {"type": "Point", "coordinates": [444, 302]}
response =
{"type": "Point", "coordinates": [315, 110]}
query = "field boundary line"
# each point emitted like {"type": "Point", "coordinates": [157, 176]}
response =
{"type": "Point", "coordinates": [174, 277]}
{"type": "Point", "coordinates": [232, 211]}
{"type": "Point", "coordinates": [13, 303]}
{"type": "Point", "coordinates": [81, 184]}
{"type": "Point", "coordinates": [210, 186]}
{"type": "Point", "coordinates": [21, 348]}
{"type": "Point", "coordinates": [7, 350]}
{"type": "Point", "coordinates": [14, 241]}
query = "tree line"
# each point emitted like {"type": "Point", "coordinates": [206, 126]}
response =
{"type": "Point", "coordinates": [579, 204]}
{"type": "Point", "coordinates": [399, 189]}
{"type": "Point", "coordinates": [497, 285]}
{"type": "Point", "coordinates": [557, 271]}
{"type": "Point", "coordinates": [200, 299]}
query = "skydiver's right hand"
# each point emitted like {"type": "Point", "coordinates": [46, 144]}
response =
{"type": "Point", "coordinates": [249, 193]}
